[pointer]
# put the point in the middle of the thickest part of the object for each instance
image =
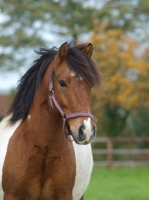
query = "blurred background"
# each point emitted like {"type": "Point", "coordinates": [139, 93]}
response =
{"type": "Point", "coordinates": [119, 32]}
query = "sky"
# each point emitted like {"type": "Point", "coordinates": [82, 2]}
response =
{"type": "Point", "coordinates": [8, 81]}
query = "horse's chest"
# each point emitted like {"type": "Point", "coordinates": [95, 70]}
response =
{"type": "Point", "coordinates": [84, 164]}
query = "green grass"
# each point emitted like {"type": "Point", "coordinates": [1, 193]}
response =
{"type": "Point", "coordinates": [119, 184]}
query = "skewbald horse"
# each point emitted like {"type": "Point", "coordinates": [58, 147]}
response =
{"type": "Point", "coordinates": [42, 151]}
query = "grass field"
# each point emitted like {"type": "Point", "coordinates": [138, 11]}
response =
{"type": "Point", "coordinates": [119, 184]}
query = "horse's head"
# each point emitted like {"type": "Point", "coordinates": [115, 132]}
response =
{"type": "Point", "coordinates": [70, 90]}
{"type": "Point", "coordinates": [72, 75]}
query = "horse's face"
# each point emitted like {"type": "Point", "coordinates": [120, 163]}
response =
{"type": "Point", "coordinates": [73, 94]}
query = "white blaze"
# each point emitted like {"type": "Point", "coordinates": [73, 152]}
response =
{"type": "Point", "coordinates": [72, 73]}
{"type": "Point", "coordinates": [88, 128]}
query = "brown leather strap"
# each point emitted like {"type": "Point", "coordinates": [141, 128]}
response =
{"type": "Point", "coordinates": [65, 116]}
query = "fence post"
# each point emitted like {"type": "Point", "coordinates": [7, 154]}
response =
{"type": "Point", "coordinates": [109, 153]}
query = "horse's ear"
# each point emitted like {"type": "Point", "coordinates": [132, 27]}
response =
{"type": "Point", "coordinates": [62, 52]}
{"type": "Point", "coordinates": [88, 50]}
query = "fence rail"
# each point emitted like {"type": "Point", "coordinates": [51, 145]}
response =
{"type": "Point", "coordinates": [121, 151]}
{"type": "Point", "coordinates": [110, 152]}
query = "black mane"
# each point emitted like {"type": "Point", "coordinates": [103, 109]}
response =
{"type": "Point", "coordinates": [81, 64]}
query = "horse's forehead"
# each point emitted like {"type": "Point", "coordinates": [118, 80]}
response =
{"type": "Point", "coordinates": [65, 70]}
{"type": "Point", "coordinates": [73, 74]}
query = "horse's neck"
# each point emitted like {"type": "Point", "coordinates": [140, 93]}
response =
{"type": "Point", "coordinates": [43, 122]}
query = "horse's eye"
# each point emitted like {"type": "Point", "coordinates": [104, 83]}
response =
{"type": "Point", "coordinates": [62, 83]}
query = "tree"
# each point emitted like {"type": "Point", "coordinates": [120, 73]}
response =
{"type": "Point", "coordinates": [129, 16]}
{"type": "Point", "coordinates": [125, 78]}
{"type": "Point", "coordinates": [27, 24]}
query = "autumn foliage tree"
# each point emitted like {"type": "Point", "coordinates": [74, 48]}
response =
{"type": "Point", "coordinates": [125, 71]}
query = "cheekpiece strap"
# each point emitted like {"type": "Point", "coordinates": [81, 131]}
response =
{"type": "Point", "coordinates": [65, 116]}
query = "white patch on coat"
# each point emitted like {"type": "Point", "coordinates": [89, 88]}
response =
{"type": "Point", "coordinates": [6, 131]}
{"type": "Point", "coordinates": [84, 165]}
{"type": "Point", "coordinates": [79, 78]}
{"type": "Point", "coordinates": [28, 117]}
{"type": "Point", "coordinates": [72, 73]}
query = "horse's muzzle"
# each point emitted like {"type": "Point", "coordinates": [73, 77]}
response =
{"type": "Point", "coordinates": [84, 135]}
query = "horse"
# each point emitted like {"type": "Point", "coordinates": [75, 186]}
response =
{"type": "Point", "coordinates": [45, 138]}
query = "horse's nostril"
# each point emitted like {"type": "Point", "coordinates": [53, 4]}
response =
{"type": "Point", "coordinates": [81, 132]}
{"type": "Point", "coordinates": [94, 130]}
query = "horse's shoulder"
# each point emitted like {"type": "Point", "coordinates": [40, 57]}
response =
{"type": "Point", "coordinates": [7, 129]}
